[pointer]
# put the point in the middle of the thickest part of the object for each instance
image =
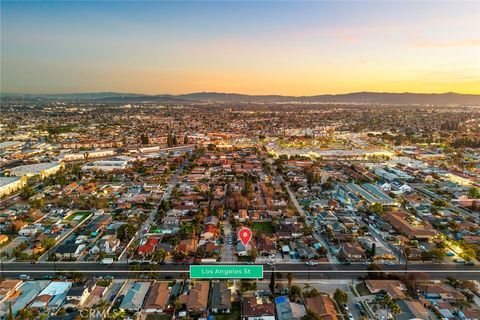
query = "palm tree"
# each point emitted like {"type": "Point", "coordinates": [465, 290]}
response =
{"type": "Point", "coordinates": [10, 312]}
{"type": "Point", "coordinates": [161, 254]}
{"type": "Point", "coordinates": [290, 279]}
{"type": "Point", "coordinates": [102, 306]}
{"type": "Point", "coordinates": [395, 308]}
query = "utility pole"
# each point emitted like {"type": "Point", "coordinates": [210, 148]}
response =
{"type": "Point", "coordinates": [1, 267]}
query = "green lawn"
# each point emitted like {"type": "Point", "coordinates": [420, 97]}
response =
{"type": "Point", "coordinates": [263, 227]}
{"type": "Point", "coordinates": [77, 216]}
{"type": "Point", "coordinates": [235, 314]}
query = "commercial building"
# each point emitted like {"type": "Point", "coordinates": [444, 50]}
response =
{"type": "Point", "coordinates": [85, 155]}
{"type": "Point", "coordinates": [119, 163]}
{"type": "Point", "coordinates": [42, 170]}
{"type": "Point", "coordinates": [9, 185]}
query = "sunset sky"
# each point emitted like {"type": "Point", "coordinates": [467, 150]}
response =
{"type": "Point", "coordinates": [289, 48]}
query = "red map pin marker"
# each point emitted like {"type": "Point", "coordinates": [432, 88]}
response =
{"type": "Point", "coordinates": [245, 235]}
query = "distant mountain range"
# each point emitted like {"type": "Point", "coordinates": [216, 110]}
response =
{"type": "Point", "coordinates": [356, 97]}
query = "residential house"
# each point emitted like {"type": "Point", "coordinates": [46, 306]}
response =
{"type": "Point", "coordinates": [286, 310]}
{"type": "Point", "coordinates": [108, 244]}
{"type": "Point", "coordinates": [69, 250]}
{"type": "Point", "coordinates": [133, 299]}
{"type": "Point", "coordinates": [323, 306]}
{"type": "Point", "coordinates": [353, 251]}
{"type": "Point", "coordinates": [53, 296]}
{"type": "Point", "coordinates": [256, 308]}
{"type": "Point", "coordinates": [157, 298]}
{"type": "Point", "coordinates": [394, 288]}
{"type": "Point", "coordinates": [76, 296]}
{"type": "Point", "coordinates": [148, 248]}
{"type": "Point", "coordinates": [220, 298]}
{"type": "Point", "coordinates": [197, 299]}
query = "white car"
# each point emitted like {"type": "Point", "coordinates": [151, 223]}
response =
{"type": "Point", "coordinates": [350, 317]}
{"type": "Point", "coordinates": [311, 263]}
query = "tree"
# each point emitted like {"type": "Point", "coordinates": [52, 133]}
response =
{"type": "Point", "coordinates": [426, 255]}
{"type": "Point", "coordinates": [26, 192]}
{"type": "Point", "coordinates": [312, 292]}
{"type": "Point", "coordinates": [37, 203]}
{"type": "Point", "coordinates": [322, 251]}
{"type": "Point", "coordinates": [144, 138]}
{"type": "Point", "coordinates": [272, 283]}
{"type": "Point", "coordinates": [470, 285]}
{"type": "Point", "coordinates": [386, 301]}
{"type": "Point", "coordinates": [376, 208]}
{"type": "Point", "coordinates": [247, 285]}
{"type": "Point", "coordinates": [295, 292]}
{"type": "Point", "coordinates": [25, 314]}
{"type": "Point", "coordinates": [395, 308]}
{"type": "Point", "coordinates": [48, 243]}
{"type": "Point", "coordinates": [439, 203]}
{"type": "Point", "coordinates": [462, 304]}
{"type": "Point", "coordinates": [125, 231]}
{"type": "Point", "coordinates": [102, 306]}
{"type": "Point", "coordinates": [474, 193]}
{"type": "Point", "coordinates": [310, 315]}
{"type": "Point", "coordinates": [340, 296]}
{"type": "Point", "coordinates": [159, 255]}
{"type": "Point", "coordinates": [437, 254]}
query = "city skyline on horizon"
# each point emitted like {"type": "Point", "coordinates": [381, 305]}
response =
{"type": "Point", "coordinates": [292, 49]}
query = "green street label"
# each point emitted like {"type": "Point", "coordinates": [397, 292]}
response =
{"type": "Point", "coordinates": [226, 272]}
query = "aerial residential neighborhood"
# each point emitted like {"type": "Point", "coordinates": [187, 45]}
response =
{"type": "Point", "coordinates": [326, 198]}
{"type": "Point", "coordinates": [239, 160]}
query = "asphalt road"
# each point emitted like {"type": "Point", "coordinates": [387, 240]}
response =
{"type": "Point", "coordinates": [300, 271]}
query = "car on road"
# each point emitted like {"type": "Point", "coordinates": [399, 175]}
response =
{"type": "Point", "coordinates": [470, 263]}
{"type": "Point", "coordinates": [345, 306]}
{"type": "Point", "coordinates": [311, 263]}
{"type": "Point", "coordinates": [24, 277]}
{"type": "Point", "coordinates": [350, 317]}
{"type": "Point", "coordinates": [458, 260]}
